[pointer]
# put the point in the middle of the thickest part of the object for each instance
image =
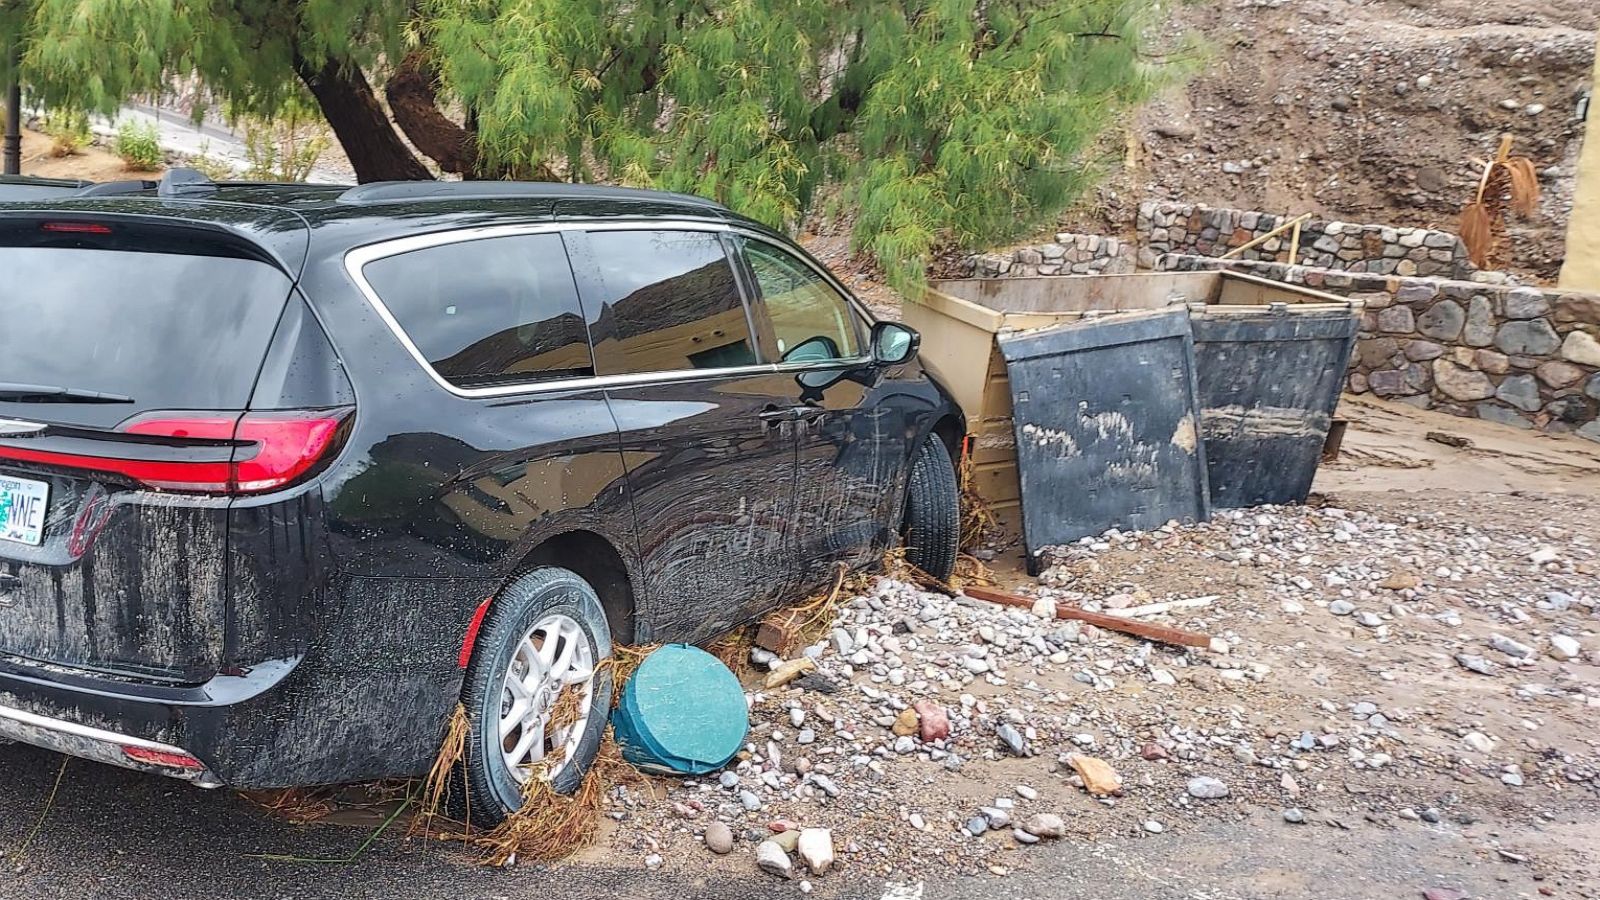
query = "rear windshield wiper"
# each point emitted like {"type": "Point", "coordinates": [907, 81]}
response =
{"type": "Point", "coordinates": [16, 392]}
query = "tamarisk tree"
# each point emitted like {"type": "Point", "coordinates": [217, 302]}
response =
{"type": "Point", "coordinates": [933, 122]}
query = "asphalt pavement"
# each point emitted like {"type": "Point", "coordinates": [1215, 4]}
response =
{"type": "Point", "coordinates": [111, 833]}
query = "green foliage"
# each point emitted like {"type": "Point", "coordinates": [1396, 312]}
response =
{"type": "Point", "coordinates": [945, 121]}
{"type": "Point", "coordinates": [139, 145]}
{"type": "Point", "coordinates": [68, 130]}
{"type": "Point", "coordinates": [936, 121]}
{"type": "Point", "coordinates": [283, 148]}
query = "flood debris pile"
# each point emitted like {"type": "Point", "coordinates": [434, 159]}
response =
{"type": "Point", "coordinates": [932, 734]}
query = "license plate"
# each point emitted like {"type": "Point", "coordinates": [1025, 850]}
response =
{"type": "Point", "coordinates": [23, 504]}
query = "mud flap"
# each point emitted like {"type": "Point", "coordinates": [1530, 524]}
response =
{"type": "Point", "coordinates": [1105, 412]}
{"type": "Point", "coordinates": [1270, 378]}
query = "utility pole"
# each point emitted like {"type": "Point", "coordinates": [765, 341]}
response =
{"type": "Point", "coordinates": [13, 139]}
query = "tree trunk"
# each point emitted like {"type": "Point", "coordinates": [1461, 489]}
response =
{"type": "Point", "coordinates": [413, 96]}
{"type": "Point", "coordinates": [351, 108]}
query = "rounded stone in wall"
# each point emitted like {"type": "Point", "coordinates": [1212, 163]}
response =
{"type": "Point", "coordinates": [1529, 337]}
{"type": "Point", "coordinates": [1443, 321]}
{"type": "Point", "coordinates": [1397, 320]}
{"type": "Point", "coordinates": [1526, 303]}
{"type": "Point", "coordinates": [1592, 386]}
{"type": "Point", "coordinates": [1480, 322]}
{"type": "Point", "coordinates": [1521, 391]}
{"type": "Point", "coordinates": [1571, 409]}
{"type": "Point", "coordinates": [1494, 412]}
{"type": "Point", "coordinates": [1559, 374]}
{"type": "Point", "coordinates": [1461, 384]}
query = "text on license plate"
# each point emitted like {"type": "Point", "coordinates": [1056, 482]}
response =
{"type": "Point", "coordinates": [23, 504]}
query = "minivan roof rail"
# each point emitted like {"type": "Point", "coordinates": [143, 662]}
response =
{"type": "Point", "coordinates": [111, 188]}
{"type": "Point", "coordinates": [402, 191]}
{"type": "Point", "coordinates": [181, 181]}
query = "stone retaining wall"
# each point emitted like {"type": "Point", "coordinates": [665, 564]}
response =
{"type": "Point", "coordinates": [1522, 356]}
{"type": "Point", "coordinates": [1069, 254]}
{"type": "Point", "coordinates": [1166, 227]}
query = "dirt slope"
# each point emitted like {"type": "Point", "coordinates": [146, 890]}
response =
{"type": "Point", "coordinates": [1365, 111]}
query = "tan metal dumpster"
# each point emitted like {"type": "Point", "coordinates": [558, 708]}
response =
{"type": "Point", "coordinates": [960, 318]}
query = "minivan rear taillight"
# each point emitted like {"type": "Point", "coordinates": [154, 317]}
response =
{"type": "Point", "coordinates": [210, 453]}
{"type": "Point", "coordinates": [271, 449]}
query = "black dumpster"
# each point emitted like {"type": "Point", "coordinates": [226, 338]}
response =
{"type": "Point", "coordinates": [1105, 414]}
{"type": "Point", "coordinates": [1270, 378]}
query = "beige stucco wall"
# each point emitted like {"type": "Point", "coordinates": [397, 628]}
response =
{"type": "Point", "coordinates": [1581, 270]}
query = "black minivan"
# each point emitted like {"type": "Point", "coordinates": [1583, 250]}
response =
{"type": "Point", "coordinates": [287, 472]}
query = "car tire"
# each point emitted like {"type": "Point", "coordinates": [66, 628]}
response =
{"type": "Point", "coordinates": [931, 528]}
{"type": "Point", "coordinates": [545, 606]}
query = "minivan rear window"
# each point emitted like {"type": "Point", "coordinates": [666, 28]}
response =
{"type": "Point", "coordinates": [155, 330]}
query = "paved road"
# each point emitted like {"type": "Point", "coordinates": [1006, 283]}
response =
{"type": "Point", "coordinates": [116, 834]}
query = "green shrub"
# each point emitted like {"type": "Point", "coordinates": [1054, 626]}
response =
{"type": "Point", "coordinates": [68, 130]}
{"type": "Point", "coordinates": [139, 145]}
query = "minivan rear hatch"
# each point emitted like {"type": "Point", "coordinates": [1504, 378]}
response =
{"type": "Point", "coordinates": [129, 349]}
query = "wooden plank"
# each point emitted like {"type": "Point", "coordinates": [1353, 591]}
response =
{"type": "Point", "coordinates": [1145, 630]}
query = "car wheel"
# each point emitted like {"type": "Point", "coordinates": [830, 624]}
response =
{"type": "Point", "coordinates": [537, 694]}
{"type": "Point", "coordinates": [931, 528]}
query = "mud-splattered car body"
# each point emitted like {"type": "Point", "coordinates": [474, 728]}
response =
{"type": "Point", "coordinates": [306, 626]}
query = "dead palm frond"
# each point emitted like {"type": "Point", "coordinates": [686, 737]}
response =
{"type": "Point", "coordinates": [1508, 183]}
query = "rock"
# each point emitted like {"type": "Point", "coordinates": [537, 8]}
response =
{"type": "Point", "coordinates": [1521, 391]}
{"type": "Point", "coordinates": [1341, 607]}
{"type": "Point", "coordinates": [1512, 779]}
{"type": "Point", "coordinates": [906, 723]}
{"type": "Point", "coordinates": [1027, 793]}
{"type": "Point", "coordinates": [977, 826]}
{"type": "Point", "coordinates": [1582, 348]}
{"type": "Point", "coordinates": [1099, 779]}
{"type": "Point", "coordinates": [1023, 837]}
{"type": "Point", "coordinates": [1369, 619]}
{"type": "Point", "coordinates": [1559, 374]}
{"type": "Point", "coordinates": [786, 672]}
{"type": "Point", "coordinates": [816, 850]}
{"type": "Point", "coordinates": [1443, 322]}
{"type": "Point", "coordinates": [1475, 663]}
{"type": "Point", "coordinates": [1294, 816]}
{"type": "Point", "coordinates": [1204, 787]}
{"type": "Point", "coordinates": [934, 723]}
{"type": "Point", "coordinates": [1461, 383]}
{"type": "Point", "coordinates": [1045, 608]}
{"type": "Point", "coordinates": [1530, 337]}
{"type": "Point", "coordinates": [1437, 893]}
{"type": "Point", "coordinates": [1401, 581]}
{"type": "Point", "coordinates": [787, 839]}
{"type": "Point", "coordinates": [1511, 647]}
{"type": "Point", "coordinates": [805, 736]}
{"type": "Point", "coordinates": [1153, 752]}
{"type": "Point", "coordinates": [1479, 742]}
{"type": "Point", "coordinates": [1012, 738]}
{"type": "Point", "coordinates": [1045, 825]}
{"type": "Point", "coordinates": [1564, 648]}
{"type": "Point", "coordinates": [771, 858]}
{"type": "Point", "coordinates": [1525, 303]}
{"type": "Point", "coordinates": [749, 800]}
{"type": "Point", "coordinates": [719, 838]}
{"type": "Point", "coordinates": [1397, 320]}
{"type": "Point", "coordinates": [1154, 827]}
{"type": "Point", "coordinates": [996, 817]}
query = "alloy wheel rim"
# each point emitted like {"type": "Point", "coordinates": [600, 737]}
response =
{"type": "Point", "coordinates": [545, 698]}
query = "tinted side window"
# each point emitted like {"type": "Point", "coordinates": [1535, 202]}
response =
{"type": "Point", "coordinates": [812, 321]}
{"type": "Point", "coordinates": [668, 301]}
{"type": "Point", "coordinates": [493, 311]}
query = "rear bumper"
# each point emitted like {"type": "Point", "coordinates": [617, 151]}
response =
{"type": "Point", "coordinates": [100, 745]}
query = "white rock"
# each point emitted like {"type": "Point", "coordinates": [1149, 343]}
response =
{"type": "Point", "coordinates": [1479, 741]}
{"type": "Point", "coordinates": [772, 860]}
{"type": "Point", "coordinates": [816, 849]}
{"type": "Point", "coordinates": [1510, 647]}
{"type": "Point", "coordinates": [1564, 648]}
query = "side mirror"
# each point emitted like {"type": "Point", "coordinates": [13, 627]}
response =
{"type": "Point", "coordinates": [894, 343]}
